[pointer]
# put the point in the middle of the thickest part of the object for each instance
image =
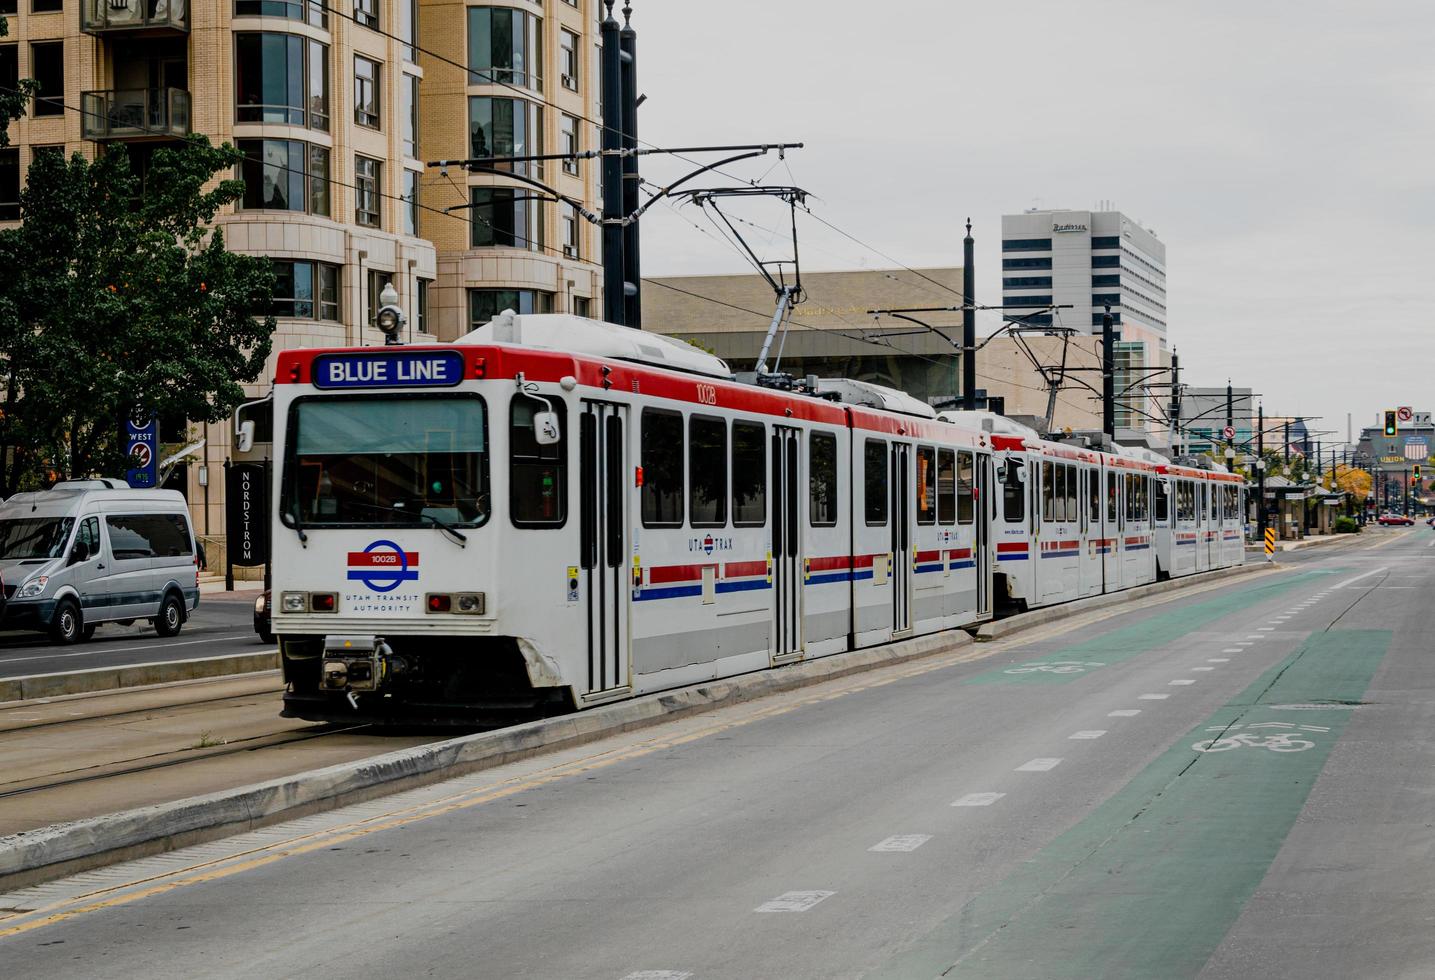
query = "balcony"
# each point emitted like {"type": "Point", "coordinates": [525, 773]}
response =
{"type": "Point", "coordinates": [129, 114]}
{"type": "Point", "coordinates": [134, 17]}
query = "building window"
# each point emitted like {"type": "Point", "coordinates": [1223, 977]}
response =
{"type": "Point", "coordinates": [505, 128]}
{"type": "Point", "coordinates": [367, 172]}
{"type": "Point", "coordinates": [1106, 261]}
{"type": "Point", "coordinates": [366, 12]}
{"type": "Point", "coordinates": [568, 59]}
{"type": "Point", "coordinates": [377, 280]}
{"type": "Point", "coordinates": [306, 290]}
{"type": "Point", "coordinates": [1106, 280]}
{"type": "Point", "coordinates": [281, 78]}
{"type": "Point", "coordinates": [411, 202]}
{"type": "Point", "coordinates": [505, 47]}
{"type": "Point", "coordinates": [1029, 301]}
{"type": "Point", "coordinates": [410, 91]}
{"type": "Point", "coordinates": [1027, 282]}
{"type": "Point", "coordinates": [421, 305]}
{"type": "Point", "coordinates": [568, 142]}
{"type": "Point", "coordinates": [306, 11]}
{"type": "Point", "coordinates": [1026, 245]}
{"type": "Point", "coordinates": [47, 65]}
{"type": "Point", "coordinates": [10, 7]}
{"type": "Point", "coordinates": [509, 217]}
{"type": "Point", "coordinates": [1096, 319]}
{"type": "Point", "coordinates": [9, 64]}
{"type": "Point", "coordinates": [10, 185]}
{"type": "Point", "coordinates": [1110, 241]}
{"type": "Point", "coordinates": [46, 6]}
{"type": "Point", "coordinates": [569, 215]}
{"type": "Point", "coordinates": [409, 28]}
{"type": "Point", "coordinates": [284, 175]}
{"type": "Point", "coordinates": [1042, 263]}
{"type": "Point", "coordinates": [582, 306]}
{"type": "Point", "coordinates": [1105, 299]}
{"type": "Point", "coordinates": [485, 304]}
{"type": "Point", "coordinates": [367, 83]}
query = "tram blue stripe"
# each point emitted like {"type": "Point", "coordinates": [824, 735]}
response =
{"type": "Point", "coordinates": [922, 569]}
{"type": "Point", "coordinates": [666, 592]}
{"type": "Point", "coordinates": [1011, 557]}
{"type": "Point", "coordinates": [743, 586]}
{"type": "Point", "coordinates": [827, 577]}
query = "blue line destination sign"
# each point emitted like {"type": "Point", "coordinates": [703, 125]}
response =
{"type": "Point", "coordinates": [389, 369]}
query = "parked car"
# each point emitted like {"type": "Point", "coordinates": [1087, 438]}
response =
{"type": "Point", "coordinates": [263, 622]}
{"type": "Point", "coordinates": [1395, 520]}
{"type": "Point", "coordinates": [91, 551]}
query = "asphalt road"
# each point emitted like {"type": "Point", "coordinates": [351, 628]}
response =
{"type": "Point", "coordinates": [1235, 783]}
{"type": "Point", "coordinates": [217, 627]}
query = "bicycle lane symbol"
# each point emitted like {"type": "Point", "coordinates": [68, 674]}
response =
{"type": "Point", "coordinates": [1054, 667]}
{"type": "Point", "coordinates": [1276, 736]}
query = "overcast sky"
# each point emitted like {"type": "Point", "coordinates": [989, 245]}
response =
{"type": "Point", "coordinates": [1283, 151]}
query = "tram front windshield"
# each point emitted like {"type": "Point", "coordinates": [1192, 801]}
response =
{"type": "Point", "coordinates": [383, 462]}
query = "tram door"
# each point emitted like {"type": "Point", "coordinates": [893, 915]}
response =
{"type": "Point", "coordinates": [981, 547]}
{"type": "Point", "coordinates": [901, 510]}
{"type": "Point", "coordinates": [787, 495]}
{"type": "Point", "coordinates": [603, 522]}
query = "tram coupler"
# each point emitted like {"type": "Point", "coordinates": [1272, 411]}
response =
{"type": "Point", "coordinates": [358, 663]}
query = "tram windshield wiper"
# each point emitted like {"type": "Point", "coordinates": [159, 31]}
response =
{"type": "Point", "coordinates": [398, 508]}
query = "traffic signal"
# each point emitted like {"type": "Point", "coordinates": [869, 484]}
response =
{"type": "Point", "coordinates": [1390, 429]}
{"type": "Point", "coordinates": [1417, 472]}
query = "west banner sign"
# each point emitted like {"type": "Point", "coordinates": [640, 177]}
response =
{"type": "Point", "coordinates": [142, 451]}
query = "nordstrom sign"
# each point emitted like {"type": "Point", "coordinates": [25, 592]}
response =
{"type": "Point", "coordinates": [1059, 228]}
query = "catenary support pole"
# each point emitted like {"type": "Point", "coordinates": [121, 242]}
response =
{"type": "Point", "coordinates": [614, 305]}
{"type": "Point", "coordinates": [1261, 470]}
{"type": "Point", "coordinates": [1108, 376]}
{"type": "Point", "coordinates": [632, 265]}
{"type": "Point", "coordinates": [969, 321]}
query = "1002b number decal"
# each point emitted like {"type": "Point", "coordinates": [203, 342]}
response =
{"type": "Point", "coordinates": [707, 394]}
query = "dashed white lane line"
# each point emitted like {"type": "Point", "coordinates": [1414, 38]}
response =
{"type": "Point", "coordinates": [1153, 697]}
{"type": "Point", "coordinates": [901, 842]}
{"type": "Point", "coordinates": [794, 901]}
{"type": "Point", "coordinates": [1254, 636]}
{"type": "Point", "coordinates": [1124, 713]}
{"type": "Point", "coordinates": [658, 975]}
{"type": "Point", "coordinates": [1351, 581]}
{"type": "Point", "coordinates": [1094, 733]}
{"type": "Point", "coordinates": [1180, 683]}
{"type": "Point", "coordinates": [1202, 668]}
{"type": "Point", "coordinates": [1038, 765]}
{"type": "Point", "coordinates": [1218, 660]}
{"type": "Point", "coordinates": [1265, 629]}
{"type": "Point", "coordinates": [978, 799]}
{"type": "Point", "coordinates": [1244, 643]}
{"type": "Point", "coordinates": [1233, 649]}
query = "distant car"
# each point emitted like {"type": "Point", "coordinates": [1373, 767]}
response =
{"type": "Point", "coordinates": [263, 624]}
{"type": "Point", "coordinates": [1395, 519]}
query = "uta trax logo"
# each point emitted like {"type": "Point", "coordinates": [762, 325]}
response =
{"type": "Point", "coordinates": [383, 565]}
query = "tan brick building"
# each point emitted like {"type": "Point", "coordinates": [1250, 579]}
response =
{"type": "Point", "coordinates": [832, 335]}
{"type": "Point", "coordinates": [337, 108]}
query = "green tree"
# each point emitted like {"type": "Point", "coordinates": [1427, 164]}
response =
{"type": "Point", "coordinates": [12, 101]}
{"type": "Point", "coordinates": [121, 301]}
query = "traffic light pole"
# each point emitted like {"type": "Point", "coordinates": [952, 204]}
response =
{"type": "Point", "coordinates": [1261, 471]}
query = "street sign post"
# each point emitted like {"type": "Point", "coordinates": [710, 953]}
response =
{"type": "Point", "coordinates": [1229, 432]}
{"type": "Point", "coordinates": [1405, 413]}
{"type": "Point", "coordinates": [142, 450]}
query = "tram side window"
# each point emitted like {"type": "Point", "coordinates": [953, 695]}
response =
{"type": "Point", "coordinates": [662, 468]}
{"type": "Point", "coordinates": [874, 482]}
{"type": "Point", "coordinates": [538, 493]}
{"type": "Point", "coordinates": [926, 485]}
{"type": "Point", "coordinates": [822, 475]}
{"type": "Point", "coordinates": [1072, 514]}
{"type": "Point", "coordinates": [749, 474]}
{"type": "Point", "coordinates": [1163, 508]}
{"type": "Point", "coordinates": [1112, 500]}
{"type": "Point", "coordinates": [1048, 496]}
{"type": "Point", "coordinates": [1093, 494]}
{"type": "Point", "coordinates": [966, 508]}
{"type": "Point", "coordinates": [707, 472]}
{"type": "Point", "coordinates": [946, 486]}
{"type": "Point", "coordinates": [1013, 494]}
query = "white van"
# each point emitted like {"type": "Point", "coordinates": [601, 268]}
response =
{"type": "Point", "coordinates": [87, 552]}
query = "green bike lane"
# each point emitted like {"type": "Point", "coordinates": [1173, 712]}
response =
{"type": "Point", "coordinates": [1161, 628]}
{"type": "Point", "coordinates": [1149, 883]}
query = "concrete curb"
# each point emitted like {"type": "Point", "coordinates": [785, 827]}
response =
{"type": "Point", "coordinates": [68, 848]}
{"type": "Point", "coordinates": [1038, 617]}
{"type": "Point", "coordinates": [134, 675]}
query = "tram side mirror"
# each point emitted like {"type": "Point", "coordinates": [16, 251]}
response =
{"type": "Point", "coordinates": [1020, 471]}
{"type": "Point", "coordinates": [546, 431]}
{"type": "Point", "coordinates": [244, 440]}
{"type": "Point", "coordinates": [80, 552]}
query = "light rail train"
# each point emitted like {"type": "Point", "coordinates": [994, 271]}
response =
{"type": "Point", "coordinates": [554, 513]}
